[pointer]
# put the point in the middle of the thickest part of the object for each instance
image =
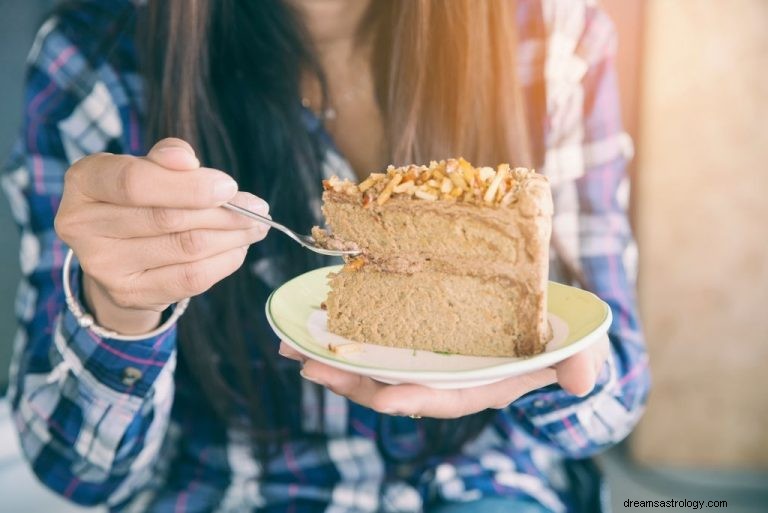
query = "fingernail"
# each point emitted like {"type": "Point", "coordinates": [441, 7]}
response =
{"type": "Point", "coordinates": [310, 378]}
{"type": "Point", "coordinates": [224, 189]}
{"type": "Point", "coordinates": [258, 205]}
{"type": "Point", "coordinates": [171, 148]}
{"type": "Point", "coordinates": [297, 358]}
{"type": "Point", "coordinates": [181, 152]}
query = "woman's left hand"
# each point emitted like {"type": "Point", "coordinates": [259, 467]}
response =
{"type": "Point", "coordinates": [576, 375]}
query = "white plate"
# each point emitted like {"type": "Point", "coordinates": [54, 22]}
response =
{"type": "Point", "coordinates": [578, 319]}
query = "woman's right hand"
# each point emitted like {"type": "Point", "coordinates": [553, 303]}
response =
{"type": "Point", "coordinates": [149, 232]}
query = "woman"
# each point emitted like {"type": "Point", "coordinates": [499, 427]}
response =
{"type": "Point", "coordinates": [151, 410]}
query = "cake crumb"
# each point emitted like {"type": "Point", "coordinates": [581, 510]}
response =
{"type": "Point", "coordinates": [345, 349]}
{"type": "Point", "coordinates": [330, 241]}
{"type": "Point", "coordinates": [355, 264]}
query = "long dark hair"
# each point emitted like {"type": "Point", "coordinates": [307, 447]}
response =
{"type": "Point", "coordinates": [225, 75]}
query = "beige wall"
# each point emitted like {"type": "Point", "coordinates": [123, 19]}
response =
{"type": "Point", "coordinates": [703, 229]}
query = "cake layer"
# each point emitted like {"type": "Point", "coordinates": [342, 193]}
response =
{"type": "Point", "coordinates": [420, 229]}
{"type": "Point", "coordinates": [446, 226]}
{"type": "Point", "coordinates": [438, 312]}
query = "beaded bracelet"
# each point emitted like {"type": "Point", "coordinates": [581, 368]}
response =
{"type": "Point", "coordinates": [86, 320]}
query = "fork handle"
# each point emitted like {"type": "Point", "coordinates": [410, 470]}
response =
{"type": "Point", "coordinates": [257, 217]}
{"type": "Point", "coordinates": [305, 240]}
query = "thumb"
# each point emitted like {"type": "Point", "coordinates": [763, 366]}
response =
{"type": "Point", "coordinates": [577, 374]}
{"type": "Point", "coordinates": [173, 153]}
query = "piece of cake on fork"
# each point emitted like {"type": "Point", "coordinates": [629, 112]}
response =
{"type": "Point", "coordinates": [454, 258]}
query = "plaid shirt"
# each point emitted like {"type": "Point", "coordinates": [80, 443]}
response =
{"type": "Point", "coordinates": [97, 435]}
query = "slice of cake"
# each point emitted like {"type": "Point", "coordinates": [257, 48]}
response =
{"type": "Point", "coordinates": [454, 258]}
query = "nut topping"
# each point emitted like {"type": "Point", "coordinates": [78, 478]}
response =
{"type": "Point", "coordinates": [387, 192]}
{"type": "Point", "coordinates": [446, 180]}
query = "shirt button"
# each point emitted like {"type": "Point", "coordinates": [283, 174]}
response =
{"type": "Point", "coordinates": [538, 403]}
{"type": "Point", "coordinates": [130, 376]}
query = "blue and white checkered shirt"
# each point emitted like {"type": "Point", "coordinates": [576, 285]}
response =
{"type": "Point", "coordinates": [107, 422]}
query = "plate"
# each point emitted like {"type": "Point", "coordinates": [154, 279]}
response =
{"type": "Point", "coordinates": [578, 319]}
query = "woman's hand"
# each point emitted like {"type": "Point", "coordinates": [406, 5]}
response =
{"type": "Point", "coordinates": [576, 374]}
{"type": "Point", "coordinates": [149, 232]}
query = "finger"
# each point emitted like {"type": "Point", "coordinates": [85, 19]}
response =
{"type": "Point", "coordinates": [354, 387]}
{"type": "Point", "coordinates": [184, 247]}
{"type": "Point", "coordinates": [131, 181]}
{"type": "Point", "coordinates": [173, 153]}
{"type": "Point", "coordinates": [290, 353]}
{"type": "Point", "coordinates": [447, 404]}
{"type": "Point", "coordinates": [602, 353]}
{"type": "Point", "coordinates": [424, 401]}
{"type": "Point", "coordinates": [175, 282]}
{"type": "Point", "coordinates": [121, 222]}
{"type": "Point", "coordinates": [577, 374]}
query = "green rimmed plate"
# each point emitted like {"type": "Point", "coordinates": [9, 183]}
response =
{"type": "Point", "coordinates": [578, 319]}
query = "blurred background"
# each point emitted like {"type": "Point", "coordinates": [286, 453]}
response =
{"type": "Point", "coordinates": [694, 79]}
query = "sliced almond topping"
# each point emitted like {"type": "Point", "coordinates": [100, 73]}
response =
{"type": "Point", "coordinates": [368, 182]}
{"type": "Point", "coordinates": [387, 192]}
{"type": "Point", "coordinates": [520, 172]}
{"type": "Point", "coordinates": [469, 175]}
{"type": "Point", "coordinates": [405, 187]}
{"type": "Point", "coordinates": [458, 180]}
{"type": "Point", "coordinates": [507, 199]}
{"type": "Point", "coordinates": [502, 190]}
{"type": "Point", "coordinates": [447, 180]}
{"type": "Point", "coordinates": [501, 173]}
{"type": "Point", "coordinates": [337, 185]}
{"type": "Point", "coordinates": [425, 195]}
{"type": "Point", "coordinates": [486, 173]}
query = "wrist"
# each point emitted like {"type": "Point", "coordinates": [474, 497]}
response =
{"type": "Point", "coordinates": [129, 321]}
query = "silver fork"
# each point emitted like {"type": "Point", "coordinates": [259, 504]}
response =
{"type": "Point", "coordinates": [305, 240]}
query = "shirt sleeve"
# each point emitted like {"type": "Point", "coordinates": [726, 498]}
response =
{"type": "Point", "coordinates": [91, 412]}
{"type": "Point", "coordinates": [579, 427]}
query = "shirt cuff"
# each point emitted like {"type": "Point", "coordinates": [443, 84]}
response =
{"type": "Point", "coordinates": [123, 366]}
